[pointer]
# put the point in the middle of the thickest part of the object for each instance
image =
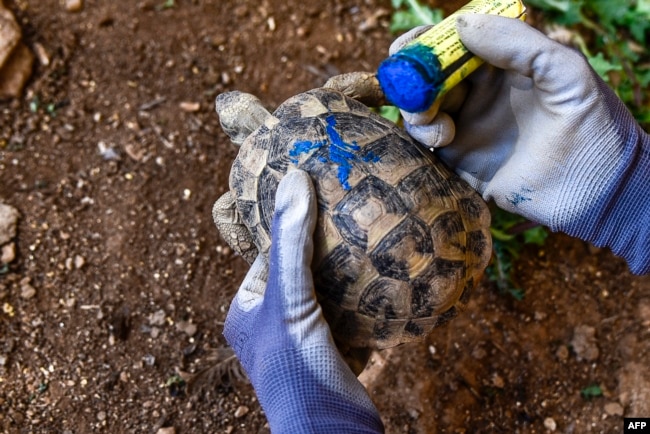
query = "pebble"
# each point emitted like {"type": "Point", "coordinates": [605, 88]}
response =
{"type": "Point", "coordinates": [16, 71]}
{"type": "Point", "coordinates": [157, 318]}
{"type": "Point", "coordinates": [74, 5]}
{"type": "Point", "coordinates": [187, 327]}
{"type": "Point", "coordinates": [27, 291]}
{"type": "Point", "coordinates": [154, 332]}
{"type": "Point", "coordinates": [614, 409]}
{"type": "Point", "coordinates": [549, 424]}
{"type": "Point", "coordinates": [166, 430]}
{"type": "Point", "coordinates": [584, 343]}
{"type": "Point", "coordinates": [562, 353]}
{"type": "Point", "coordinates": [497, 381]}
{"type": "Point", "coordinates": [241, 411]}
{"type": "Point", "coordinates": [479, 353]}
{"type": "Point", "coordinates": [190, 107]}
{"type": "Point", "coordinates": [149, 359]}
{"type": "Point", "coordinates": [79, 261]}
{"type": "Point", "coordinates": [644, 312]}
{"type": "Point", "coordinates": [101, 416]}
{"type": "Point", "coordinates": [41, 54]}
{"type": "Point", "coordinates": [9, 34]}
{"type": "Point", "coordinates": [8, 253]}
{"type": "Point", "coordinates": [8, 220]}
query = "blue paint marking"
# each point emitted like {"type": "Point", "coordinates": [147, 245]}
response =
{"type": "Point", "coordinates": [518, 198]}
{"type": "Point", "coordinates": [340, 152]}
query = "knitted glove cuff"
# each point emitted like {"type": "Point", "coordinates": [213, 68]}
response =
{"type": "Point", "coordinates": [312, 390]}
{"type": "Point", "coordinates": [619, 216]}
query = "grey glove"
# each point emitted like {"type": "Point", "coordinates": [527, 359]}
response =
{"type": "Point", "coordinates": [538, 132]}
{"type": "Point", "coordinates": [277, 329]}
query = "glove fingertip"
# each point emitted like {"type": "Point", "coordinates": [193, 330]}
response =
{"type": "Point", "coordinates": [436, 134]}
{"type": "Point", "coordinates": [407, 37]}
{"type": "Point", "coordinates": [296, 193]}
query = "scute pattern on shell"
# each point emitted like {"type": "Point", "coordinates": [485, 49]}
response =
{"type": "Point", "coordinates": [400, 239]}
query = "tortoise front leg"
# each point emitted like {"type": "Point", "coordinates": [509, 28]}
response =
{"type": "Point", "coordinates": [362, 86]}
{"type": "Point", "coordinates": [232, 228]}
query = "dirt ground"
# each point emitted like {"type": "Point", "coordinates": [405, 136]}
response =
{"type": "Point", "coordinates": [120, 286]}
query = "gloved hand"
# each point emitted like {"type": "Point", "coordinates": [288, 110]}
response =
{"type": "Point", "coordinates": [538, 132]}
{"type": "Point", "coordinates": [276, 327]}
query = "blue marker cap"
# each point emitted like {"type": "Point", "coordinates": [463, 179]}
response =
{"type": "Point", "coordinates": [411, 78]}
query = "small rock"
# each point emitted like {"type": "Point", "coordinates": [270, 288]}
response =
{"type": "Point", "coordinates": [190, 107]}
{"type": "Point", "coordinates": [186, 327]}
{"type": "Point", "coordinates": [41, 54]}
{"type": "Point", "coordinates": [479, 353]}
{"type": "Point", "coordinates": [149, 359]}
{"type": "Point", "coordinates": [644, 312]}
{"type": "Point", "coordinates": [562, 353]}
{"type": "Point", "coordinates": [157, 318]}
{"type": "Point", "coordinates": [79, 261]}
{"type": "Point", "coordinates": [9, 34]}
{"type": "Point", "coordinates": [27, 291]}
{"type": "Point", "coordinates": [549, 424]}
{"type": "Point", "coordinates": [497, 381]}
{"type": "Point", "coordinates": [584, 343]}
{"type": "Point", "coordinates": [166, 430]}
{"type": "Point", "coordinates": [101, 416]}
{"type": "Point", "coordinates": [8, 220]}
{"type": "Point", "coordinates": [74, 5]}
{"type": "Point", "coordinates": [108, 153]}
{"type": "Point", "coordinates": [3, 360]}
{"type": "Point", "coordinates": [614, 409]}
{"type": "Point", "coordinates": [16, 71]}
{"type": "Point", "coordinates": [8, 253]}
{"type": "Point", "coordinates": [241, 411]}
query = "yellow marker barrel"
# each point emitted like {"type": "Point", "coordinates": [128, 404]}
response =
{"type": "Point", "coordinates": [427, 67]}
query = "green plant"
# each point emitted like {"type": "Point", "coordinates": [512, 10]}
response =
{"type": "Point", "coordinates": [410, 13]}
{"type": "Point", "coordinates": [613, 35]}
{"type": "Point", "coordinates": [510, 233]}
{"type": "Point", "coordinates": [592, 391]}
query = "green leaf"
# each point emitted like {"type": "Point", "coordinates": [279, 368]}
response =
{"type": "Point", "coordinates": [517, 293]}
{"type": "Point", "coordinates": [603, 66]}
{"type": "Point", "coordinates": [591, 391]}
{"type": "Point", "coordinates": [414, 15]}
{"type": "Point", "coordinates": [403, 20]}
{"type": "Point", "coordinates": [560, 5]}
{"type": "Point", "coordinates": [609, 11]}
{"type": "Point", "coordinates": [389, 112]}
{"type": "Point", "coordinates": [536, 235]}
{"type": "Point", "coordinates": [500, 234]}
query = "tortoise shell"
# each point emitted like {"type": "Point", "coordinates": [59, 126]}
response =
{"type": "Point", "coordinates": [400, 239]}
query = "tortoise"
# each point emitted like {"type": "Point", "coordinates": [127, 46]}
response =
{"type": "Point", "coordinates": [400, 239]}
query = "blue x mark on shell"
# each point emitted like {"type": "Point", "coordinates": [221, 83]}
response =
{"type": "Point", "coordinates": [340, 152]}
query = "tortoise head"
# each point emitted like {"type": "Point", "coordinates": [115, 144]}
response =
{"type": "Point", "coordinates": [240, 114]}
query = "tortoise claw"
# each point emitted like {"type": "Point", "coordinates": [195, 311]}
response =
{"type": "Point", "coordinates": [232, 229]}
{"type": "Point", "coordinates": [362, 86]}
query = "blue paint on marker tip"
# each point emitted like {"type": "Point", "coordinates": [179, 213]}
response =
{"type": "Point", "coordinates": [340, 152]}
{"type": "Point", "coordinates": [411, 78]}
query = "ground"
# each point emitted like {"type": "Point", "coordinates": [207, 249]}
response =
{"type": "Point", "coordinates": [113, 156]}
